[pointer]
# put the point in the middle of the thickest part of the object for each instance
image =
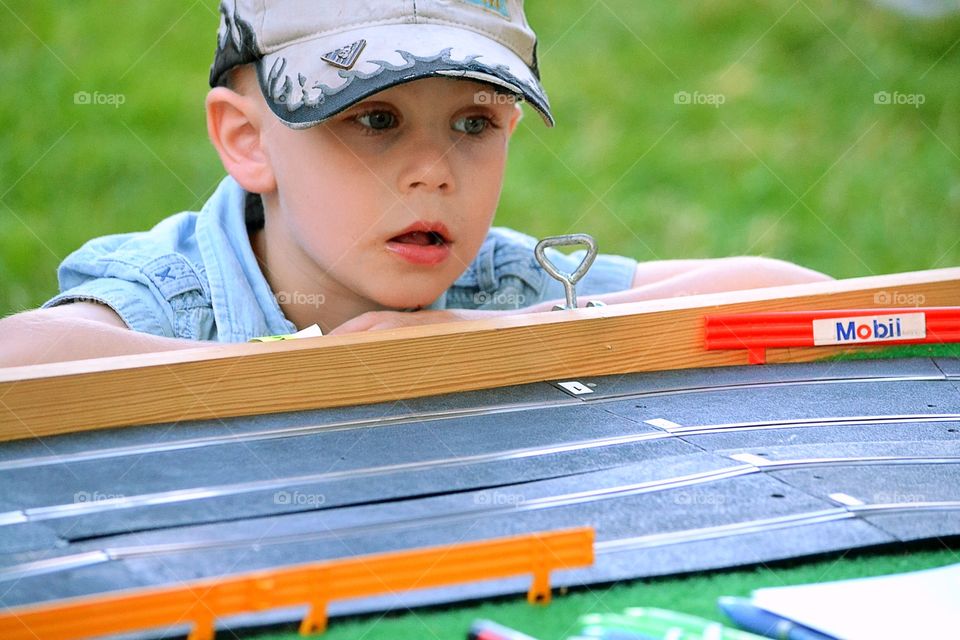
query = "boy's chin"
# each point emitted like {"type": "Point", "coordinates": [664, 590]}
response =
{"type": "Point", "coordinates": [409, 300]}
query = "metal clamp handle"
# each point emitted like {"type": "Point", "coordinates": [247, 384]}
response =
{"type": "Point", "coordinates": [568, 280]}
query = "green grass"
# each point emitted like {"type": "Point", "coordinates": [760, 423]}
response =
{"type": "Point", "coordinates": [798, 163]}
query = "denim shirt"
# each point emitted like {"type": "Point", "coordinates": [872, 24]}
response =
{"type": "Point", "coordinates": [195, 276]}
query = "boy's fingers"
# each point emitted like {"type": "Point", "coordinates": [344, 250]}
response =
{"type": "Point", "coordinates": [373, 320]}
{"type": "Point", "coordinates": [350, 326]}
{"type": "Point", "coordinates": [370, 320]}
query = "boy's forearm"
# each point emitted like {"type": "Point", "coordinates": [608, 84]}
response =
{"type": "Point", "coordinates": [659, 290]}
{"type": "Point", "coordinates": [26, 341]}
{"type": "Point", "coordinates": [732, 274]}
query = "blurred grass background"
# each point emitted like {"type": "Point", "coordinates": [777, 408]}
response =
{"type": "Point", "coordinates": [799, 162]}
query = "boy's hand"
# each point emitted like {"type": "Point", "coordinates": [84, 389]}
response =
{"type": "Point", "coordinates": [373, 320]}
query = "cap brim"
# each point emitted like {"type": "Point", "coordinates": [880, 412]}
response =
{"type": "Point", "coordinates": [303, 89]}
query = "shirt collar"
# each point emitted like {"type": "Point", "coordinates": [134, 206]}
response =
{"type": "Point", "coordinates": [244, 306]}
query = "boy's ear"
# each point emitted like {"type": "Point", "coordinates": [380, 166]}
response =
{"type": "Point", "coordinates": [515, 118]}
{"type": "Point", "coordinates": [234, 122]}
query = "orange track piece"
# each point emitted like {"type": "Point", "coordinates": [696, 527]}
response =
{"type": "Point", "coordinates": [201, 602]}
{"type": "Point", "coordinates": [757, 332]}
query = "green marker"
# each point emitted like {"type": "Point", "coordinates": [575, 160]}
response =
{"type": "Point", "coordinates": [665, 625]}
{"type": "Point", "coordinates": [706, 628]}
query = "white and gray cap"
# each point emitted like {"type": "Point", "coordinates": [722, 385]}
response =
{"type": "Point", "coordinates": [315, 58]}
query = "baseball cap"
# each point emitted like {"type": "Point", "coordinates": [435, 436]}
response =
{"type": "Point", "coordinates": [315, 58]}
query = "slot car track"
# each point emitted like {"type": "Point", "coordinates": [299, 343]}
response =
{"type": "Point", "coordinates": [677, 471]}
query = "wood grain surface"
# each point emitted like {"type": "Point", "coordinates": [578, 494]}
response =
{"type": "Point", "coordinates": [246, 379]}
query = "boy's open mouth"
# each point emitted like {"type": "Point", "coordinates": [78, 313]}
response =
{"type": "Point", "coordinates": [420, 238]}
{"type": "Point", "coordinates": [422, 243]}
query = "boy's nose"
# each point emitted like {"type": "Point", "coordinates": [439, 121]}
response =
{"type": "Point", "coordinates": [427, 166]}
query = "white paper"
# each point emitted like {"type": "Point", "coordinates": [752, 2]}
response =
{"type": "Point", "coordinates": [920, 604]}
{"type": "Point", "coordinates": [313, 331]}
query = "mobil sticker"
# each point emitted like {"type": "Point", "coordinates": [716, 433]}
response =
{"type": "Point", "coordinates": [879, 328]}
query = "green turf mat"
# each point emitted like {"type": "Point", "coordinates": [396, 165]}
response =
{"type": "Point", "coordinates": [696, 594]}
{"type": "Point", "coordinates": [902, 351]}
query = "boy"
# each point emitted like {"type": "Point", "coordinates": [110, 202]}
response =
{"type": "Point", "coordinates": [365, 143]}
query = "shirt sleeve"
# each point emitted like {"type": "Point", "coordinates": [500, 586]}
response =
{"type": "Point", "coordinates": [133, 302]}
{"type": "Point", "coordinates": [111, 271]}
{"type": "Point", "coordinates": [506, 275]}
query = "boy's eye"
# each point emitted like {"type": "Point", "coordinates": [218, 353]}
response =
{"type": "Point", "coordinates": [472, 124]}
{"type": "Point", "coordinates": [377, 120]}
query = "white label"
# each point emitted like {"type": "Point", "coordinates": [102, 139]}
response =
{"type": "Point", "coordinates": [663, 423]}
{"type": "Point", "coordinates": [863, 329]}
{"type": "Point", "coordinates": [750, 458]}
{"type": "Point", "coordinates": [845, 499]}
{"type": "Point", "coordinates": [574, 387]}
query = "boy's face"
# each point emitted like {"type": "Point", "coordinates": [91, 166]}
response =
{"type": "Point", "coordinates": [430, 151]}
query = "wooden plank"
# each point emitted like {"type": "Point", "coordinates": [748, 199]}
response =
{"type": "Point", "coordinates": [247, 379]}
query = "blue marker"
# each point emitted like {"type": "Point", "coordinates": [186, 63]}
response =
{"type": "Point", "coordinates": [752, 618]}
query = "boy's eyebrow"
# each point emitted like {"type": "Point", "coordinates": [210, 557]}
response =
{"type": "Point", "coordinates": [467, 100]}
{"type": "Point", "coordinates": [364, 105]}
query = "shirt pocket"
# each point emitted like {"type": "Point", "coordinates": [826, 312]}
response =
{"type": "Point", "coordinates": [184, 288]}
